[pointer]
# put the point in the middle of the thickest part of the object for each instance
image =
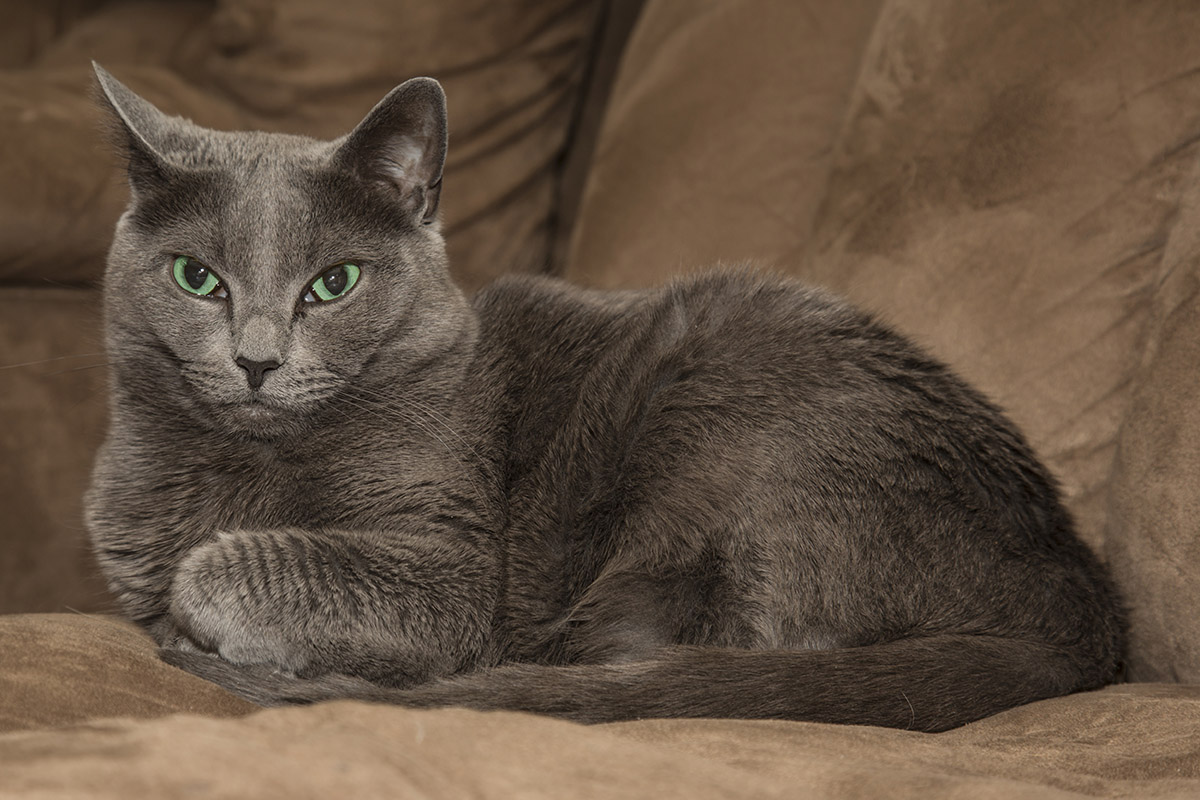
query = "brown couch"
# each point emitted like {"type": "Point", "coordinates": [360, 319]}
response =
{"type": "Point", "coordinates": [1014, 184]}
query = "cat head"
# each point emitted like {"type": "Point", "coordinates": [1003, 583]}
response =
{"type": "Point", "coordinates": [255, 278]}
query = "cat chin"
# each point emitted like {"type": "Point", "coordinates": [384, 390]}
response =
{"type": "Point", "coordinates": [261, 422]}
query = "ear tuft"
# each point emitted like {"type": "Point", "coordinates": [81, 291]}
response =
{"type": "Point", "coordinates": [402, 142]}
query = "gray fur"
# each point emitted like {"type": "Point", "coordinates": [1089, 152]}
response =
{"type": "Point", "coordinates": [735, 496]}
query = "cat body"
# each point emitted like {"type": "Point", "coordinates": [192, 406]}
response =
{"type": "Point", "coordinates": [733, 496]}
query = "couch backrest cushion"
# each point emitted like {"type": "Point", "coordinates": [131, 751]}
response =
{"type": "Point", "coordinates": [52, 403]}
{"type": "Point", "coordinates": [1005, 185]}
{"type": "Point", "coordinates": [1154, 525]}
{"type": "Point", "coordinates": [513, 70]}
{"type": "Point", "coordinates": [716, 144]}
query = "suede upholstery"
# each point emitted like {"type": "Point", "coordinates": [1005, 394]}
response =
{"type": "Point", "coordinates": [1011, 188]}
{"type": "Point", "coordinates": [175, 737]}
{"type": "Point", "coordinates": [1012, 184]}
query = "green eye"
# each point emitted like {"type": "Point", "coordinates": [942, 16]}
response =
{"type": "Point", "coordinates": [197, 279]}
{"type": "Point", "coordinates": [332, 283]}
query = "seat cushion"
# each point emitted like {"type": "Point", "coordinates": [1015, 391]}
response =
{"type": "Point", "coordinates": [58, 669]}
{"type": "Point", "coordinates": [130, 726]}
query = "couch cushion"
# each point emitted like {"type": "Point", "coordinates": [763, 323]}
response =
{"type": "Point", "coordinates": [717, 140]}
{"type": "Point", "coordinates": [1155, 503]}
{"type": "Point", "coordinates": [1011, 188]}
{"type": "Point", "coordinates": [1123, 741]}
{"type": "Point", "coordinates": [52, 402]}
{"type": "Point", "coordinates": [514, 72]}
{"type": "Point", "coordinates": [30, 26]}
{"type": "Point", "coordinates": [57, 669]}
{"type": "Point", "coordinates": [61, 187]}
{"type": "Point", "coordinates": [1004, 187]}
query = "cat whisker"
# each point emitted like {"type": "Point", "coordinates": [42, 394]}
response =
{"type": "Point", "coordinates": [316, 390]}
{"type": "Point", "coordinates": [80, 369]}
{"type": "Point", "coordinates": [49, 360]}
{"type": "Point", "coordinates": [356, 402]}
{"type": "Point", "coordinates": [480, 495]}
{"type": "Point", "coordinates": [420, 423]}
{"type": "Point", "coordinates": [411, 404]}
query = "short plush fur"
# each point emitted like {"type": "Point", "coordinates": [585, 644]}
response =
{"type": "Point", "coordinates": [734, 496]}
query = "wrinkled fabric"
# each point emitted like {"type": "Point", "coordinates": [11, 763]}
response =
{"type": "Point", "coordinates": [53, 411]}
{"type": "Point", "coordinates": [1005, 183]}
{"type": "Point", "coordinates": [1013, 185]}
{"type": "Point", "coordinates": [514, 73]}
{"type": "Point", "coordinates": [160, 732]}
{"type": "Point", "coordinates": [60, 669]}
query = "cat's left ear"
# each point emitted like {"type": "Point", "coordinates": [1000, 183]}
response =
{"type": "Point", "coordinates": [402, 142]}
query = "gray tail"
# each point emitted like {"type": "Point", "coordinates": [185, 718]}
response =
{"type": "Point", "coordinates": [928, 684]}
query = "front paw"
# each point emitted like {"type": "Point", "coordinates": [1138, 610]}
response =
{"type": "Point", "coordinates": [266, 686]}
{"type": "Point", "coordinates": [255, 683]}
{"type": "Point", "coordinates": [226, 600]}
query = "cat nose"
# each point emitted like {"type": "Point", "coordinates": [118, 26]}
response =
{"type": "Point", "coordinates": [256, 370]}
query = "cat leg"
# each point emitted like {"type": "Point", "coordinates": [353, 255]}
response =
{"type": "Point", "coordinates": [391, 608]}
{"type": "Point", "coordinates": [623, 616]}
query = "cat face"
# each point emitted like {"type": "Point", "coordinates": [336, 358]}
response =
{"type": "Point", "coordinates": [257, 278]}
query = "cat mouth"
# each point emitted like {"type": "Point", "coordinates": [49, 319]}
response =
{"type": "Point", "coordinates": [260, 401]}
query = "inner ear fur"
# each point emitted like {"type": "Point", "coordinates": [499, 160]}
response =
{"type": "Point", "coordinates": [402, 142]}
{"type": "Point", "coordinates": [137, 127]}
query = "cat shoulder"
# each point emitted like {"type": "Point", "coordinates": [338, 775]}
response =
{"type": "Point", "coordinates": [740, 299]}
{"type": "Point", "coordinates": [546, 292]}
{"type": "Point", "coordinates": [735, 286]}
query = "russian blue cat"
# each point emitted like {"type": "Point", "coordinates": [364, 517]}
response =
{"type": "Point", "coordinates": [329, 473]}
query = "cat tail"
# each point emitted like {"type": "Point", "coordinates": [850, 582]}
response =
{"type": "Point", "coordinates": [929, 684]}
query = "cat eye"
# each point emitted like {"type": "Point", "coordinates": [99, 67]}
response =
{"type": "Point", "coordinates": [195, 278]}
{"type": "Point", "coordinates": [332, 283]}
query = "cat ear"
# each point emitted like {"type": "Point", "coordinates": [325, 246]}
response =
{"type": "Point", "coordinates": [137, 125]}
{"type": "Point", "coordinates": [402, 143]}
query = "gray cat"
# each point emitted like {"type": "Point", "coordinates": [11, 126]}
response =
{"type": "Point", "coordinates": [329, 474]}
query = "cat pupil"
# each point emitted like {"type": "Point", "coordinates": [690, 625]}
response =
{"type": "Point", "coordinates": [195, 274]}
{"type": "Point", "coordinates": [335, 280]}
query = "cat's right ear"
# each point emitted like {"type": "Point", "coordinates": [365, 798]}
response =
{"type": "Point", "coordinates": [402, 144]}
{"type": "Point", "coordinates": [136, 125]}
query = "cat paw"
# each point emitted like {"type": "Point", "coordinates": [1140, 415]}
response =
{"type": "Point", "coordinates": [221, 602]}
{"type": "Point", "coordinates": [266, 686]}
{"type": "Point", "coordinates": [254, 683]}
